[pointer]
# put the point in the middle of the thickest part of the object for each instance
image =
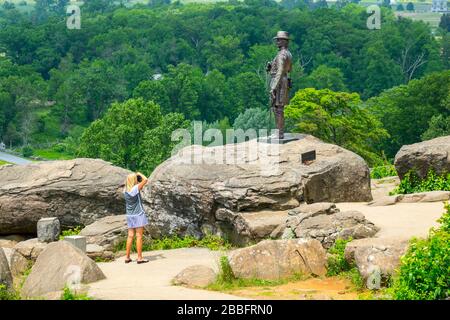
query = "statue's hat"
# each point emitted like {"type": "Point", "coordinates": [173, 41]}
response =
{"type": "Point", "coordinates": [282, 35]}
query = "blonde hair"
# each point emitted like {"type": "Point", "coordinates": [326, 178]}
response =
{"type": "Point", "coordinates": [130, 182]}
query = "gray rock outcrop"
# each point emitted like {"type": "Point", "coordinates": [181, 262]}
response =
{"type": "Point", "coordinates": [278, 259]}
{"type": "Point", "coordinates": [60, 264]}
{"type": "Point", "coordinates": [325, 223]}
{"type": "Point", "coordinates": [78, 192]}
{"type": "Point", "coordinates": [189, 197]}
{"type": "Point", "coordinates": [423, 156]}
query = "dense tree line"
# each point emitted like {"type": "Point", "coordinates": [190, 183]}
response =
{"type": "Point", "coordinates": [199, 62]}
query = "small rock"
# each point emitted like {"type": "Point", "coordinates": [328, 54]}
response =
{"type": "Point", "coordinates": [195, 276]}
{"type": "Point", "coordinates": [48, 229]}
{"type": "Point", "coordinates": [106, 232]}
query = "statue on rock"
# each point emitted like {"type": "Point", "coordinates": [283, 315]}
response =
{"type": "Point", "coordinates": [280, 83]}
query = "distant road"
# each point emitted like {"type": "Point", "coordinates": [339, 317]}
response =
{"type": "Point", "coordinates": [13, 159]}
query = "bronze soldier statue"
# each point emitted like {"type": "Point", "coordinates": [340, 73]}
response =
{"type": "Point", "coordinates": [280, 83]}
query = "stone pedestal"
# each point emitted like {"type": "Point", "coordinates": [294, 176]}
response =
{"type": "Point", "coordinates": [77, 241]}
{"type": "Point", "coordinates": [48, 229]}
{"type": "Point", "coordinates": [288, 137]}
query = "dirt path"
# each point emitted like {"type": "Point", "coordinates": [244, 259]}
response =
{"type": "Point", "coordinates": [152, 280]}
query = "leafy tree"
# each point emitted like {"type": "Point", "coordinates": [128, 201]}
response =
{"type": "Point", "coordinates": [127, 133]}
{"type": "Point", "coordinates": [324, 77]}
{"type": "Point", "coordinates": [438, 126]}
{"type": "Point", "coordinates": [410, 6]}
{"type": "Point", "coordinates": [400, 7]}
{"type": "Point", "coordinates": [406, 110]}
{"type": "Point", "coordinates": [254, 118]}
{"type": "Point", "coordinates": [444, 23]}
{"type": "Point", "coordinates": [336, 117]}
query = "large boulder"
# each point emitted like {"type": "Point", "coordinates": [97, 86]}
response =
{"type": "Point", "coordinates": [106, 232]}
{"type": "Point", "coordinates": [376, 258]}
{"type": "Point", "coordinates": [58, 265]}
{"type": "Point", "coordinates": [278, 259]}
{"type": "Point", "coordinates": [423, 156]}
{"type": "Point", "coordinates": [195, 276]}
{"type": "Point", "coordinates": [326, 223]}
{"type": "Point", "coordinates": [194, 192]}
{"type": "Point", "coordinates": [25, 254]}
{"type": "Point", "coordinates": [76, 191]}
{"type": "Point", "coordinates": [5, 273]}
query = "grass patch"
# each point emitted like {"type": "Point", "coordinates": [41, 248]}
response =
{"type": "Point", "coordinates": [2, 163]}
{"type": "Point", "coordinates": [71, 232]}
{"type": "Point", "coordinates": [71, 295]}
{"type": "Point", "coordinates": [338, 265]}
{"type": "Point", "coordinates": [209, 241]}
{"type": "Point", "coordinates": [411, 183]}
{"type": "Point", "coordinates": [10, 294]}
{"type": "Point", "coordinates": [50, 154]}
{"type": "Point", "coordinates": [226, 280]}
{"type": "Point", "coordinates": [383, 171]}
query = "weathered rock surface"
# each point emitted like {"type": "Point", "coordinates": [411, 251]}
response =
{"type": "Point", "coordinates": [76, 191]}
{"type": "Point", "coordinates": [376, 255]}
{"type": "Point", "coordinates": [57, 265]}
{"type": "Point", "coordinates": [277, 259]}
{"type": "Point", "coordinates": [106, 232]}
{"type": "Point", "coordinates": [25, 254]}
{"type": "Point", "coordinates": [423, 156]}
{"type": "Point", "coordinates": [430, 196]}
{"type": "Point", "coordinates": [195, 276]}
{"type": "Point", "coordinates": [95, 252]}
{"type": "Point", "coordinates": [325, 223]}
{"type": "Point", "coordinates": [48, 229]}
{"type": "Point", "coordinates": [5, 273]}
{"type": "Point", "coordinates": [188, 196]}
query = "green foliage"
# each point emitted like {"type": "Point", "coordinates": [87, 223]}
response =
{"type": "Point", "coordinates": [71, 295]}
{"type": "Point", "coordinates": [424, 272]}
{"type": "Point", "coordinates": [336, 263]}
{"type": "Point", "coordinates": [438, 126]}
{"type": "Point", "coordinates": [254, 118]}
{"type": "Point", "coordinates": [27, 151]}
{"type": "Point", "coordinates": [133, 135]}
{"type": "Point", "coordinates": [411, 183]}
{"type": "Point", "coordinates": [70, 232]}
{"type": "Point", "coordinates": [211, 242]}
{"type": "Point", "coordinates": [383, 171]}
{"type": "Point", "coordinates": [407, 111]}
{"type": "Point", "coordinates": [336, 117]}
{"type": "Point", "coordinates": [8, 294]}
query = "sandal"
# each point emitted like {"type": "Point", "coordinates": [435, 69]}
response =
{"type": "Point", "coordinates": [128, 260]}
{"type": "Point", "coordinates": [142, 261]}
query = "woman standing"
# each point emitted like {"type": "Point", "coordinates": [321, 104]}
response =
{"type": "Point", "coordinates": [136, 217]}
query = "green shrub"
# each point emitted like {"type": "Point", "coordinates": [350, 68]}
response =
{"type": "Point", "coordinates": [226, 274]}
{"type": "Point", "coordinates": [336, 260]}
{"type": "Point", "coordinates": [27, 151]}
{"type": "Point", "coordinates": [411, 183]}
{"type": "Point", "coordinates": [70, 295]}
{"type": "Point", "coordinates": [6, 294]}
{"type": "Point", "coordinates": [383, 171]}
{"type": "Point", "coordinates": [70, 232]}
{"type": "Point", "coordinates": [209, 241]}
{"type": "Point", "coordinates": [424, 272]}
